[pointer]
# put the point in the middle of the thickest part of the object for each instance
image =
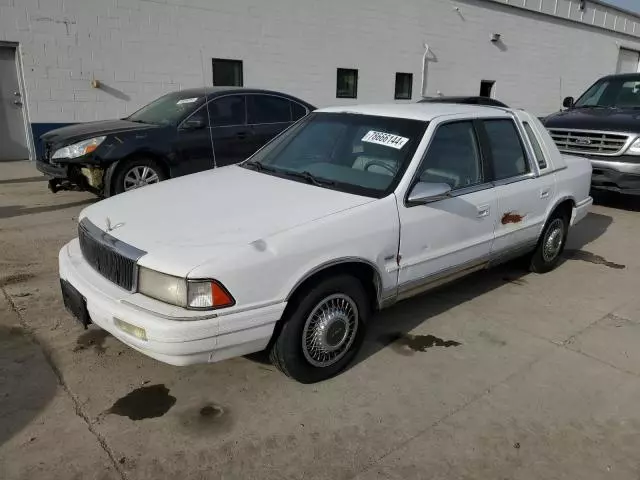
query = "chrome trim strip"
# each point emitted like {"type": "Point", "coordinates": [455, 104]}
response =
{"type": "Point", "coordinates": [415, 287]}
{"type": "Point", "coordinates": [519, 178]}
{"type": "Point", "coordinates": [624, 167]}
{"type": "Point", "coordinates": [510, 253]}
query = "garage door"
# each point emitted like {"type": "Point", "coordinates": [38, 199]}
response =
{"type": "Point", "coordinates": [628, 61]}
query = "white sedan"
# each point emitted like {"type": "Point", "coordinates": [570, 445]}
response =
{"type": "Point", "coordinates": [349, 211]}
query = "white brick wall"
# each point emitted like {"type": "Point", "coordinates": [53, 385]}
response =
{"type": "Point", "coordinates": [140, 49]}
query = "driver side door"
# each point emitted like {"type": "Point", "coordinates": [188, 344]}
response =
{"type": "Point", "coordinates": [453, 236]}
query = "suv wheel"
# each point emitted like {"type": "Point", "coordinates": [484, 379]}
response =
{"type": "Point", "coordinates": [323, 329]}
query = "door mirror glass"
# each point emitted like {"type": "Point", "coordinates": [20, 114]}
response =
{"type": "Point", "coordinates": [195, 122]}
{"type": "Point", "coordinates": [568, 102]}
{"type": "Point", "coordinates": [424, 192]}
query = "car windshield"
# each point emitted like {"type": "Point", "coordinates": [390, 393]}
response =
{"type": "Point", "coordinates": [360, 154]}
{"type": "Point", "coordinates": [167, 110]}
{"type": "Point", "coordinates": [611, 93]}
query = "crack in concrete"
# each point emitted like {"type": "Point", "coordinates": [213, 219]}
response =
{"type": "Point", "coordinates": [77, 406]}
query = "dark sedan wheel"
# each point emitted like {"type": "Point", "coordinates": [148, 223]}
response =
{"type": "Point", "coordinates": [322, 331]}
{"type": "Point", "coordinates": [137, 172]}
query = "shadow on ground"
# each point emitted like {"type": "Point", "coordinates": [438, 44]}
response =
{"type": "Point", "coordinates": [19, 210]}
{"type": "Point", "coordinates": [27, 383]}
{"type": "Point", "coordinates": [618, 201]}
{"type": "Point", "coordinates": [23, 180]}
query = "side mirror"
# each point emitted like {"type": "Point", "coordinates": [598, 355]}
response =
{"type": "Point", "coordinates": [194, 123]}
{"type": "Point", "coordinates": [424, 192]}
{"type": "Point", "coordinates": [568, 102]}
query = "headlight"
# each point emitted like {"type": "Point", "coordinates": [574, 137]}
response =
{"type": "Point", "coordinates": [78, 149]}
{"type": "Point", "coordinates": [191, 294]}
{"type": "Point", "coordinates": [634, 149]}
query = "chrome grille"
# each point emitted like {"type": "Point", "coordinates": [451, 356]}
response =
{"type": "Point", "coordinates": [589, 142]}
{"type": "Point", "coordinates": [111, 258]}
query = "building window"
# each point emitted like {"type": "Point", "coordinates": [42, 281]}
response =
{"type": "Point", "coordinates": [227, 73]}
{"type": "Point", "coordinates": [486, 87]}
{"type": "Point", "coordinates": [404, 86]}
{"type": "Point", "coordinates": [347, 84]}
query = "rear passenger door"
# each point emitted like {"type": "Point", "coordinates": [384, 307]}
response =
{"type": "Point", "coordinates": [268, 115]}
{"type": "Point", "coordinates": [522, 196]}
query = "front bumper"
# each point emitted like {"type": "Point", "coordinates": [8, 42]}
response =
{"type": "Point", "coordinates": [174, 335]}
{"type": "Point", "coordinates": [617, 176]}
{"type": "Point", "coordinates": [52, 171]}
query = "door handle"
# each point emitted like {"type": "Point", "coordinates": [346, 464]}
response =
{"type": "Point", "coordinates": [483, 211]}
{"type": "Point", "coordinates": [17, 103]}
{"type": "Point", "coordinates": [241, 135]}
{"type": "Point", "coordinates": [544, 193]}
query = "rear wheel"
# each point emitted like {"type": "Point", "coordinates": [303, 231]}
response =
{"type": "Point", "coordinates": [551, 243]}
{"type": "Point", "coordinates": [323, 329]}
{"type": "Point", "coordinates": [137, 172]}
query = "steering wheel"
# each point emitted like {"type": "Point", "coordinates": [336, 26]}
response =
{"type": "Point", "coordinates": [378, 163]}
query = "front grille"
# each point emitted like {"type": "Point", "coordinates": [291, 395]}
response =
{"type": "Point", "coordinates": [589, 142]}
{"type": "Point", "coordinates": [111, 258]}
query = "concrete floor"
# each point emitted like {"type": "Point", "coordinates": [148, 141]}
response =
{"type": "Point", "coordinates": [544, 383]}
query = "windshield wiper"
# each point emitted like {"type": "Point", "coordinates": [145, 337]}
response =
{"type": "Point", "coordinates": [260, 167]}
{"type": "Point", "coordinates": [310, 178]}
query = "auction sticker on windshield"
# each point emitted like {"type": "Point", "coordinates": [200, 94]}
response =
{"type": "Point", "coordinates": [386, 139]}
{"type": "Point", "coordinates": [187, 100]}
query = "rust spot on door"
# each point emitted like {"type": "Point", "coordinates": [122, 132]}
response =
{"type": "Point", "coordinates": [512, 217]}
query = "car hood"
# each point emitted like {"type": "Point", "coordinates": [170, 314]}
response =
{"type": "Point", "coordinates": [605, 119]}
{"type": "Point", "coordinates": [184, 222]}
{"type": "Point", "coordinates": [81, 131]}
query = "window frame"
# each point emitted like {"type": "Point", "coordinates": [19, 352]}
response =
{"type": "Point", "coordinates": [485, 164]}
{"type": "Point", "coordinates": [247, 95]}
{"type": "Point", "coordinates": [355, 88]}
{"type": "Point", "coordinates": [395, 92]}
{"type": "Point", "coordinates": [227, 61]}
{"type": "Point", "coordinates": [532, 136]}
{"type": "Point", "coordinates": [531, 173]}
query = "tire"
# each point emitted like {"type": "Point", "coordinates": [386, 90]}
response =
{"type": "Point", "coordinates": [551, 244]}
{"type": "Point", "coordinates": [309, 353]}
{"type": "Point", "coordinates": [134, 169]}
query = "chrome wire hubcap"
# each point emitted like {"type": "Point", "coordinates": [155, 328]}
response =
{"type": "Point", "coordinates": [139, 177]}
{"type": "Point", "coordinates": [330, 330]}
{"type": "Point", "coordinates": [553, 240]}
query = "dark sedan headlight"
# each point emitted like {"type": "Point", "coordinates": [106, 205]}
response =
{"type": "Point", "coordinates": [78, 149]}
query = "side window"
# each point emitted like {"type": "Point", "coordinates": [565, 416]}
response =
{"type": "Point", "coordinates": [542, 163]}
{"type": "Point", "coordinates": [453, 157]}
{"type": "Point", "coordinates": [267, 109]}
{"type": "Point", "coordinates": [297, 111]}
{"type": "Point", "coordinates": [509, 159]}
{"type": "Point", "coordinates": [227, 111]}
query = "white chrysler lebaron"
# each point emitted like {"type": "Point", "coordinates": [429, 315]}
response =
{"type": "Point", "coordinates": [346, 212]}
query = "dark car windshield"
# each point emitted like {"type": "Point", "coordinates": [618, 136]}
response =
{"type": "Point", "coordinates": [360, 154]}
{"type": "Point", "coordinates": [167, 110]}
{"type": "Point", "coordinates": [613, 92]}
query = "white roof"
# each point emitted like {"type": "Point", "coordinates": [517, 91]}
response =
{"type": "Point", "coordinates": [419, 111]}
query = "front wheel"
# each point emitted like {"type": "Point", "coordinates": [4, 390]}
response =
{"type": "Point", "coordinates": [551, 244]}
{"type": "Point", "coordinates": [136, 173]}
{"type": "Point", "coordinates": [322, 331]}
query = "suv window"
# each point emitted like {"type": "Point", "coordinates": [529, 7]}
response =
{"type": "Point", "coordinates": [453, 157]}
{"type": "Point", "coordinates": [227, 111]}
{"type": "Point", "coordinates": [507, 153]}
{"type": "Point", "coordinates": [268, 109]}
{"type": "Point", "coordinates": [542, 163]}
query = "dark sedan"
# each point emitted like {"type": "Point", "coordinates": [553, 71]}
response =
{"type": "Point", "coordinates": [180, 133]}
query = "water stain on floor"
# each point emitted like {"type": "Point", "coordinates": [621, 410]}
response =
{"type": "Point", "coordinates": [92, 338]}
{"type": "Point", "coordinates": [16, 278]}
{"type": "Point", "coordinates": [592, 258]}
{"type": "Point", "coordinates": [407, 344]}
{"type": "Point", "coordinates": [144, 402]}
{"type": "Point", "coordinates": [206, 418]}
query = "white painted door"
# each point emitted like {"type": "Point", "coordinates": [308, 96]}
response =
{"type": "Point", "coordinates": [13, 139]}
{"type": "Point", "coordinates": [628, 61]}
{"type": "Point", "coordinates": [456, 231]}
{"type": "Point", "coordinates": [522, 198]}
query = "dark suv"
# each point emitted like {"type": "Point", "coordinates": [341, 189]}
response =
{"type": "Point", "coordinates": [179, 133]}
{"type": "Point", "coordinates": [603, 125]}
